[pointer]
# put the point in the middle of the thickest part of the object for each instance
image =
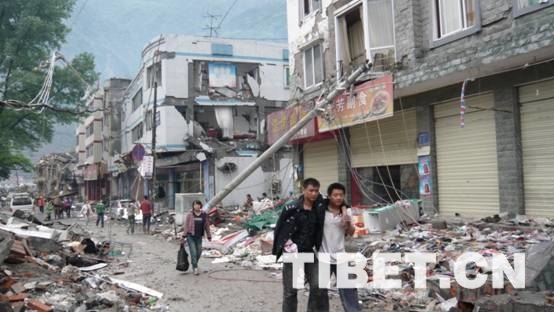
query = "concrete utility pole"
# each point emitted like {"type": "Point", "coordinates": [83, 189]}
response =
{"type": "Point", "coordinates": [153, 121]}
{"type": "Point", "coordinates": [286, 137]}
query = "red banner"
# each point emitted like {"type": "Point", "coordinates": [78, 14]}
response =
{"type": "Point", "coordinates": [368, 101]}
{"type": "Point", "coordinates": [281, 121]}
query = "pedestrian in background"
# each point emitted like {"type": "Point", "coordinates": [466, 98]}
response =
{"type": "Point", "coordinates": [146, 208]}
{"type": "Point", "coordinates": [100, 210]}
{"type": "Point", "coordinates": [195, 226]}
{"type": "Point", "coordinates": [86, 212]}
{"type": "Point", "coordinates": [41, 203]}
{"type": "Point", "coordinates": [131, 209]}
{"type": "Point", "coordinates": [49, 209]}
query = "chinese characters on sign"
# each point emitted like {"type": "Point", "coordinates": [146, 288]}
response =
{"type": "Point", "coordinates": [368, 101]}
{"type": "Point", "coordinates": [147, 167]}
{"type": "Point", "coordinates": [281, 121]}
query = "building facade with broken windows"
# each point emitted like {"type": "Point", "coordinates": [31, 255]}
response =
{"type": "Point", "coordinates": [472, 96]}
{"type": "Point", "coordinates": [212, 96]}
{"type": "Point", "coordinates": [54, 174]}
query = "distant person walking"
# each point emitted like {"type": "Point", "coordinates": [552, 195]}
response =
{"type": "Point", "coordinates": [86, 212]}
{"type": "Point", "coordinates": [131, 209]}
{"type": "Point", "coordinates": [100, 210]}
{"type": "Point", "coordinates": [49, 210]}
{"type": "Point", "coordinates": [41, 203]}
{"type": "Point", "coordinates": [146, 208]}
{"type": "Point", "coordinates": [195, 226]}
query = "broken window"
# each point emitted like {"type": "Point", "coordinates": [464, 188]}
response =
{"type": "Point", "coordinates": [309, 6]}
{"type": "Point", "coordinates": [90, 150]}
{"type": "Point", "coordinates": [452, 16]}
{"type": "Point", "coordinates": [137, 99]}
{"type": "Point", "coordinates": [154, 74]}
{"type": "Point", "coordinates": [313, 65]}
{"type": "Point", "coordinates": [148, 120]}
{"type": "Point", "coordinates": [526, 6]}
{"type": "Point", "coordinates": [354, 46]}
{"type": "Point", "coordinates": [286, 76]}
{"type": "Point", "coordinates": [137, 132]}
{"type": "Point", "coordinates": [89, 130]}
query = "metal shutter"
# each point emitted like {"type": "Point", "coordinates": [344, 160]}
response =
{"type": "Point", "coordinates": [537, 141]}
{"type": "Point", "coordinates": [467, 167]}
{"type": "Point", "coordinates": [321, 162]}
{"type": "Point", "coordinates": [398, 134]}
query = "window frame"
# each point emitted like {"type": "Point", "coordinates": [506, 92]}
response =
{"type": "Point", "coordinates": [149, 70]}
{"type": "Point", "coordinates": [341, 13]}
{"type": "Point", "coordinates": [89, 148]}
{"type": "Point", "coordinates": [517, 12]}
{"type": "Point", "coordinates": [304, 50]}
{"type": "Point", "coordinates": [148, 120]}
{"type": "Point", "coordinates": [90, 132]}
{"type": "Point", "coordinates": [312, 10]}
{"type": "Point", "coordinates": [135, 105]}
{"type": "Point", "coordinates": [286, 77]}
{"type": "Point", "coordinates": [453, 36]}
{"type": "Point", "coordinates": [135, 129]}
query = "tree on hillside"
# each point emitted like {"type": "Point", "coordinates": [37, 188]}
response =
{"type": "Point", "coordinates": [30, 32]}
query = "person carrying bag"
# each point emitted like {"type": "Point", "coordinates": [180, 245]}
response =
{"type": "Point", "coordinates": [182, 259]}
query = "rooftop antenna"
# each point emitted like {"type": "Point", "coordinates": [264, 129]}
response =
{"type": "Point", "coordinates": [212, 26]}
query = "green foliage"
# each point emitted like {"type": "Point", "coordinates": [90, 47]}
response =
{"type": "Point", "coordinates": [30, 31]}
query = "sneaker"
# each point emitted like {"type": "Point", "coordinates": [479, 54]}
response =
{"type": "Point", "coordinates": [196, 272]}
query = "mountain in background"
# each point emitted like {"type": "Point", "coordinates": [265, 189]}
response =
{"type": "Point", "coordinates": [117, 31]}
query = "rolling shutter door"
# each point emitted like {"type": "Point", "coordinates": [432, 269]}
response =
{"type": "Point", "coordinates": [321, 162]}
{"type": "Point", "coordinates": [398, 136]}
{"type": "Point", "coordinates": [467, 170]}
{"type": "Point", "coordinates": [537, 142]}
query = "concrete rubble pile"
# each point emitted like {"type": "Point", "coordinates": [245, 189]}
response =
{"type": "Point", "coordinates": [60, 268]}
{"type": "Point", "coordinates": [246, 238]}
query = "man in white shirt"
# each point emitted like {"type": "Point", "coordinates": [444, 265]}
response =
{"type": "Point", "coordinates": [337, 225]}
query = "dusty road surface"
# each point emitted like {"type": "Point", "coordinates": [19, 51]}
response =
{"type": "Point", "coordinates": [219, 287]}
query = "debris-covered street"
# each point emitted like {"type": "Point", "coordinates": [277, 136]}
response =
{"type": "Point", "coordinates": [54, 267]}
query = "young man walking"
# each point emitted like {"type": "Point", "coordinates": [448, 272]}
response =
{"type": "Point", "coordinates": [100, 210]}
{"type": "Point", "coordinates": [337, 225]}
{"type": "Point", "coordinates": [299, 229]}
{"type": "Point", "coordinates": [146, 208]}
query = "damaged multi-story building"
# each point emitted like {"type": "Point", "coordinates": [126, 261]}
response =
{"type": "Point", "coordinates": [54, 174]}
{"type": "Point", "coordinates": [457, 109]}
{"type": "Point", "coordinates": [212, 96]}
{"type": "Point", "coordinates": [98, 139]}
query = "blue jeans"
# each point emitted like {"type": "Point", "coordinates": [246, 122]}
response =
{"type": "Point", "coordinates": [195, 248]}
{"type": "Point", "coordinates": [348, 297]}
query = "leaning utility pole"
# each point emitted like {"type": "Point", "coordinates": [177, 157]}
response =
{"type": "Point", "coordinates": [153, 121]}
{"type": "Point", "coordinates": [286, 137]}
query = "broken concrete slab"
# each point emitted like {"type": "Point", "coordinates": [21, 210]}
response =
{"type": "Point", "coordinates": [26, 233]}
{"type": "Point", "coordinates": [539, 267]}
{"type": "Point", "coordinates": [44, 245]}
{"type": "Point", "coordinates": [137, 287]}
{"type": "Point", "coordinates": [523, 301]}
{"type": "Point", "coordinates": [6, 242]}
{"type": "Point", "coordinates": [27, 216]}
{"type": "Point", "coordinates": [5, 307]}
